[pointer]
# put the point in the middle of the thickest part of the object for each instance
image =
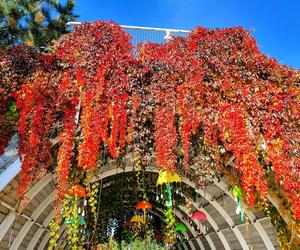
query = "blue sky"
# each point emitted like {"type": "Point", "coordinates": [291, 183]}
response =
{"type": "Point", "coordinates": [276, 23]}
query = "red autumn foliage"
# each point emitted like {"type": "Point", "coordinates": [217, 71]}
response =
{"type": "Point", "coordinates": [77, 190]}
{"type": "Point", "coordinates": [216, 80]}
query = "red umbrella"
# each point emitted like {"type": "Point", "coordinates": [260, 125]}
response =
{"type": "Point", "coordinates": [127, 224]}
{"type": "Point", "coordinates": [158, 236]}
{"type": "Point", "coordinates": [198, 215]}
{"type": "Point", "coordinates": [143, 205]}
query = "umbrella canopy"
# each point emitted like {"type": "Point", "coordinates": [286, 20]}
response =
{"type": "Point", "coordinates": [137, 219]}
{"type": "Point", "coordinates": [127, 224]}
{"type": "Point", "coordinates": [180, 228]}
{"type": "Point", "coordinates": [198, 215]}
{"type": "Point", "coordinates": [167, 177]}
{"type": "Point", "coordinates": [143, 205]}
{"type": "Point", "coordinates": [237, 193]}
{"type": "Point", "coordinates": [81, 221]}
{"type": "Point", "coordinates": [169, 240]}
{"type": "Point", "coordinates": [158, 235]}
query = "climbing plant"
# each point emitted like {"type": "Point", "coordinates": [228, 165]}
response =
{"type": "Point", "coordinates": [207, 96]}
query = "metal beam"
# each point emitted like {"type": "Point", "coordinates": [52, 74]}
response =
{"type": "Point", "coordinates": [41, 184]}
{"type": "Point", "coordinates": [21, 214]}
{"type": "Point", "coordinates": [62, 232]}
{"type": "Point", "coordinates": [140, 28]}
{"type": "Point", "coordinates": [179, 215]}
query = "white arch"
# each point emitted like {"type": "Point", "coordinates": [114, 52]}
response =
{"type": "Point", "coordinates": [214, 226]}
{"type": "Point", "coordinates": [40, 231]}
{"type": "Point", "coordinates": [211, 244]}
{"type": "Point", "coordinates": [44, 242]}
{"type": "Point", "coordinates": [206, 195]}
{"type": "Point", "coordinates": [15, 164]}
{"type": "Point", "coordinates": [62, 231]}
{"type": "Point", "coordinates": [221, 211]}
{"type": "Point", "coordinates": [6, 223]}
{"type": "Point", "coordinates": [26, 227]}
{"type": "Point", "coordinates": [261, 231]}
{"type": "Point", "coordinates": [180, 217]}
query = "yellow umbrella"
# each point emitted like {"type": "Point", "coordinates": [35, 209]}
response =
{"type": "Point", "coordinates": [137, 219]}
{"type": "Point", "coordinates": [167, 177]}
{"type": "Point", "coordinates": [169, 240]}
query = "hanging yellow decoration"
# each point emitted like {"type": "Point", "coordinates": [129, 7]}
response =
{"type": "Point", "coordinates": [167, 177]}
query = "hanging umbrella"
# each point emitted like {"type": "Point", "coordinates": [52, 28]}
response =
{"type": "Point", "coordinates": [127, 224]}
{"type": "Point", "coordinates": [158, 235]}
{"type": "Point", "coordinates": [81, 221]}
{"type": "Point", "coordinates": [167, 177]}
{"type": "Point", "coordinates": [173, 177]}
{"type": "Point", "coordinates": [198, 215]}
{"type": "Point", "coordinates": [70, 220]}
{"type": "Point", "coordinates": [143, 205]}
{"type": "Point", "coordinates": [169, 240]}
{"type": "Point", "coordinates": [137, 219]}
{"type": "Point", "coordinates": [180, 228]}
{"type": "Point", "coordinates": [237, 193]}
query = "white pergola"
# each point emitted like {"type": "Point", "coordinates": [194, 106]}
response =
{"type": "Point", "coordinates": [223, 230]}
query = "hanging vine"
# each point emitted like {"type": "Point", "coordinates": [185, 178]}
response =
{"type": "Point", "coordinates": [91, 94]}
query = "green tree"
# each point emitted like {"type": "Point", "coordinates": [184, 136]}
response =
{"type": "Point", "coordinates": [34, 22]}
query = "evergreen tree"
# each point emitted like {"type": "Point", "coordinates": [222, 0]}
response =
{"type": "Point", "coordinates": [34, 22]}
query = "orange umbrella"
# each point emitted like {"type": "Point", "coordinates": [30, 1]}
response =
{"type": "Point", "coordinates": [143, 205]}
{"type": "Point", "coordinates": [169, 240]}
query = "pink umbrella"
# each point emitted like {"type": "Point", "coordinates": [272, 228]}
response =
{"type": "Point", "coordinates": [198, 215]}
